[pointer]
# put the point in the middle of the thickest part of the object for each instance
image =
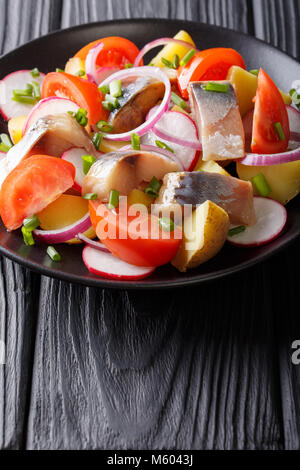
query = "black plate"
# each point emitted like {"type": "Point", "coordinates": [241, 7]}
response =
{"type": "Point", "coordinates": [53, 50]}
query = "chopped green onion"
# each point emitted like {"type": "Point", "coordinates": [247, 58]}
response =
{"type": "Point", "coordinates": [115, 88]}
{"type": "Point", "coordinates": [128, 66]}
{"type": "Point", "coordinates": [113, 199]}
{"type": "Point", "coordinates": [25, 99]}
{"type": "Point", "coordinates": [162, 145]}
{"type": "Point", "coordinates": [295, 97]}
{"type": "Point", "coordinates": [59, 70]}
{"type": "Point", "coordinates": [27, 236]}
{"type": "Point", "coordinates": [135, 141]}
{"type": "Point", "coordinates": [53, 254]}
{"type": "Point", "coordinates": [31, 223]}
{"type": "Point", "coordinates": [3, 148]}
{"type": "Point", "coordinates": [104, 126]}
{"type": "Point", "coordinates": [26, 92]}
{"type": "Point", "coordinates": [216, 87]}
{"type": "Point", "coordinates": [97, 139]}
{"type": "Point", "coordinates": [167, 63]}
{"type": "Point", "coordinates": [87, 162]}
{"type": "Point", "coordinates": [153, 188]}
{"type": "Point", "coordinates": [236, 230]}
{"type": "Point", "coordinates": [36, 89]}
{"type": "Point", "coordinates": [90, 196]}
{"type": "Point", "coordinates": [107, 105]}
{"type": "Point", "coordinates": [35, 72]}
{"type": "Point", "coordinates": [81, 117]}
{"type": "Point", "coordinates": [104, 89]}
{"type": "Point", "coordinates": [167, 225]}
{"type": "Point", "coordinates": [261, 185]}
{"type": "Point", "coordinates": [279, 130]}
{"type": "Point", "coordinates": [175, 61]}
{"type": "Point", "coordinates": [80, 73]}
{"type": "Point", "coordinates": [5, 139]}
{"type": "Point", "coordinates": [113, 101]}
{"type": "Point", "coordinates": [177, 100]}
{"type": "Point", "coordinates": [254, 72]}
{"type": "Point", "coordinates": [187, 57]}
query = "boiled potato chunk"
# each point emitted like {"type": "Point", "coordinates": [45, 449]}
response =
{"type": "Point", "coordinates": [204, 234]}
{"type": "Point", "coordinates": [15, 128]}
{"type": "Point", "coordinates": [74, 65]}
{"type": "Point", "coordinates": [284, 179]}
{"type": "Point", "coordinates": [245, 86]}
{"type": "Point", "coordinates": [107, 146]}
{"type": "Point", "coordinates": [64, 211]}
{"type": "Point", "coordinates": [136, 196]}
{"type": "Point", "coordinates": [211, 167]}
{"type": "Point", "coordinates": [170, 50]}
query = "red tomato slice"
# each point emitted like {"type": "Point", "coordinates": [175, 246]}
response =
{"type": "Point", "coordinates": [210, 64]}
{"type": "Point", "coordinates": [269, 109]}
{"type": "Point", "coordinates": [31, 186]}
{"type": "Point", "coordinates": [81, 91]}
{"type": "Point", "coordinates": [116, 52]}
{"type": "Point", "coordinates": [129, 237]}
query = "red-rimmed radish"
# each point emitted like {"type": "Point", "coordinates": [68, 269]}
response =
{"type": "Point", "coordinates": [108, 266]}
{"type": "Point", "coordinates": [49, 106]}
{"type": "Point", "coordinates": [64, 234]}
{"type": "Point", "coordinates": [271, 217]}
{"type": "Point", "coordinates": [74, 156]}
{"type": "Point", "coordinates": [178, 128]}
{"type": "Point", "coordinates": [92, 243]}
{"type": "Point", "coordinates": [16, 81]}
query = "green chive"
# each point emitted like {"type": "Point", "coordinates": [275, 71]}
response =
{"type": "Point", "coordinates": [104, 126]}
{"type": "Point", "coordinates": [135, 141]}
{"type": "Point", "coordinates": [80, 73]}
{"type": "Point", "coordinates": [162, 145]}
{"type": "Point", "coordinates": [113, 101]}
{"type": "Point", "coordinates": [167, 63]}
{"type": "Point", "coordinates": [27, 236]}
{"type": "Point", "coordinates": [177, 100]}
{"type": "Point", "coordinates": [107, 105]}
{"type": "Point", "coordinates": [254, 72]}
{"type": "Point", "coordinates": [153, 188]}
{"type": "Point", "coordinates": [5, 139]}
{"type": "Point", "coordinates": [31, 223]}
{"type": "Point", "coordinates": [3, 148]}
{"type": "Point", "coordinates": [87, 162]}
{"type": "Point", "coordinates": [90, 196]}
{"type": "Point", "coordinates": [175, 61]}
{"type": "Point", "coordinates": [81, 117]}
{"type": "Point", "coordinates": [36, 90]}
{"type": "Point", "coordinates": [115, 88]}
{"type": "Point", "coordinates": [28, 91]}
{"type": "Point", "coordinates": [53, 254]}
{"type": "Point", "coordinates": [187, 57]}
{"type": "Point", "coordinates": [236, 230]}
{"type": "Point", "coordinates": [216, 87]}
{"type": "Point", "coordinates": [24, 99]}
{"type": "Point", "coordinates": [35, 72]}
{"type": "Point", "coordinates": [59, 70]}
{"type": "Point", "coordinates": [97, 139]}
{"type": "Point", "coordinates": [104, 89]}
{"type": "Point", "coordinates": [128, 66]}
{"type": "Point", "coordinates": [261, 185]}
{"type": "Point", "coordinates": [167, 225]}
{"type": "Point", "coordinates": [295, 97]}
{"type": "Point", "coordinates": [113, 199]}
{"type": "Point", "coordinates": [279, 130]}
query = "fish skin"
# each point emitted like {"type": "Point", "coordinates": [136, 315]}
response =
{"type": "Point", "coordinates": [135, 103]}
{"type": "Point", "coordinates": [194, 188]}
{"type": "Point", "coordinates": [219, 122]}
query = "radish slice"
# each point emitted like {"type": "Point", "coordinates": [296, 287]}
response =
{"type": "Point", "coordinates": [92, 243]}
{"type": "Point", "coordinates": [64, 234]}
{"type": "Point", "coordinates": [271, 217]}
{"type": "Point", "coordinates": [73, 155]}
{"type": "Point", "coordinates": [108, 266]}
{"type": "Point", "coordinates": [16, 81]}
{"type": "Point", "coordinates": [51, 105]}
{"type": "Point", "coordinates": [178, 128]}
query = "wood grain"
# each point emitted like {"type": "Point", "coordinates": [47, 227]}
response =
{"type": "Point", "coordinates": [201, 368]}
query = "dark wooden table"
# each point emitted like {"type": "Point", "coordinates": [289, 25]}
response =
{"type": "Point", "coordinates": [207, 367]}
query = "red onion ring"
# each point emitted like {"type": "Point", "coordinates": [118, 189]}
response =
{"type": "Point", "coordinates": [253, 159]}
{"type": "Point", "coordinates": [92, 243]}
{"type": "Point", "coordinates": [160, 42]}
{"type": "Point", "coordinates": [64, 234]}
{"type": "Point", "coordinates": [94, 74]}
{"type": "Point", "coordinates": [153, 72]}
{"type": "Point", "coordinates": [165, 152]}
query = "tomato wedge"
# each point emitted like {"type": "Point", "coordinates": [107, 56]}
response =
{"type": "Point", "coordinates": [210, 64]}
{"type": "Point", "coordinates": [116, 52]}
{"type": "Point", "coordinates": [81, 91]}
{"type": "Point", "coordinates": [131, 238]}
{"type": "Point", "coordinates": [31, 186]}
{"type": "Point", "coordinates": [269, 112]}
